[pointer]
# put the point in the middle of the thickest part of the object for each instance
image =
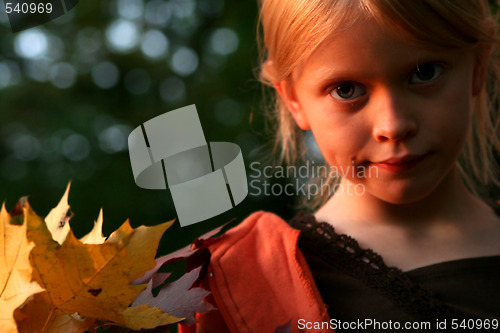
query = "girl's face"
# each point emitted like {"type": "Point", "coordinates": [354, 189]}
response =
{"type": "Point", "coordinates": [396, 111]}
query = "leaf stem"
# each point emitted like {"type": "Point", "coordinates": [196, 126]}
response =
{"type": "Point", "coordinates": [49, 320]}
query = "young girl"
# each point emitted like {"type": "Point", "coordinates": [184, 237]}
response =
{"type": "Point", "coordinates": [404, 92]}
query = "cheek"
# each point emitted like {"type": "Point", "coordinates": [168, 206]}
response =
{"type": "Point", "coordinates": [339, 139]}
{"type": "Point", "coordinates": [454, 119]}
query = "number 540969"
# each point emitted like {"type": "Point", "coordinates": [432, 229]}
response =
{"type": "Point", "coordinates": [25, 8]}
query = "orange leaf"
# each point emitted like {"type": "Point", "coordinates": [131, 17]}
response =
{"type": "Point", "coordinates": [58, 219]}
{"type": "Point", "coordinates": [92, 280]}
{"type": "Point", "coordinates": [15, 270]}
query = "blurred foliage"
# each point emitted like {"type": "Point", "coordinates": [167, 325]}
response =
{"type": "Point", "coordinates": [71, 91]}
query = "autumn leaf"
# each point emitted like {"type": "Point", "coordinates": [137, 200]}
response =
{"type": "Point", "coordinates": [178, 298]}
{"type": "Point", "coordinates": [145, 317]}
{"type": "Point", "coordinates": [35, 316]}
{"type": "Point", "coordinates": [58, 220]}
{"type": "Point", "coordinates": [190, 253]}
{"type": "Point", "coordinates": [57, 283]}
{"type": "Point", "coordinates": [15, 270]}
{"type": "Point", "coordinates": [92, 280]}
{"type": "Point", "coordinates": [95, 236]}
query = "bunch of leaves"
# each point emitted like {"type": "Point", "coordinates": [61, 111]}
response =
{"type": "Point", "coordinates": [50, 281]}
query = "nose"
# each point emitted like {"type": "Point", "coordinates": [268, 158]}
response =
{"type": "Point", "coordinates": [394, 119]}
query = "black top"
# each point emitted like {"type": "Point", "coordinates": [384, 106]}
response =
{"type": "Point", "coordinates": [356, 284]}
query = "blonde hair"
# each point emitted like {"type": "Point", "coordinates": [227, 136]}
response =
{"type": "Point", "coordinates": [293, 29]}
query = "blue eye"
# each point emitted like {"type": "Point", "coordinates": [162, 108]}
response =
{"type": "Point", "coordinates": [347, 91]}
{"type": "Point", "coordinates": [426, 73]}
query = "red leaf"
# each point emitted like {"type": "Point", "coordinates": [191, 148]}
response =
{"type": "Point", "coordinates": [185, 253]}
{"type": "Point", "coordinates": [178, 298]}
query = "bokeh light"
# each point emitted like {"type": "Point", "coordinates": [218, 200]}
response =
{"type": "Point", "coordinates": [130, 9]}
{"type": "Point", "coordinates": [10, 74]}
{"type": "Point", "coordinates": [114, 138]}
{"type": "Point", "coordinates": [154, 44]}
{"type": "Point", "coordinates": [224, 41]}
{"type": "Point", "coordinates": [38, 69]}
{"type": "Point", "coordinates": [184, 61]}
{"type": "Point", "coordinates": [25, 147]}
{"type": "Point", "coordinates": [158, 13]}
{"type": "Point", "coordinates": [105, 75]}
{"type": "Point", "coordinates": [89, 40]}
{"type": "Point", "coordinates": [76, 147]}
{"type": "Point", "coordinates": [122, 36]}
{"type": "Point", "coordinates": [31, 43]}
{"type": "Point", "coordinates": [183, 8]}
{"type": "Point", "coordinates": [63, 75]}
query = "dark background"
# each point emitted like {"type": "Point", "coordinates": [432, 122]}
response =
{"type": "Point", "coordinates": [72, 89]}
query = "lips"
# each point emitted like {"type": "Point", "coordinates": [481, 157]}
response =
{"type": "Point", "coordinates": [399, 164]}
{"type": "Point", "coordinates": [401, 160]}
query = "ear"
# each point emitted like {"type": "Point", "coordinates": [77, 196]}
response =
{"type": "Point", "coordinates": [287, 93]}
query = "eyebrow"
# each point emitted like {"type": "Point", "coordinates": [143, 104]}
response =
{"type": "Point", "coordinates": [329, 74]}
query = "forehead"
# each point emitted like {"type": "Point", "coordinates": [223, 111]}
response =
{"type": "Point", "coordinates": [367, 48]}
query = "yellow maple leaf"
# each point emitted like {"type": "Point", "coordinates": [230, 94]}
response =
{"type": "Point", "coordinates": [145, 317]}
{"type": "Point", "coordinates": [95, 236]}
{"type": "Point", "coordinates": [16, 284]}
{"type": "Point", "coordinates": [57, 220]}
{"type": "Point", "coordinates": [58, 223]}
{"type": "Point", "coordinates": [93, 280]}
